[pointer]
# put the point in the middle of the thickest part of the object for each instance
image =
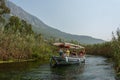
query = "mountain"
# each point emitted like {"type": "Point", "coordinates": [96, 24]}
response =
{"type": "Point", "coordinates": [47, 31]}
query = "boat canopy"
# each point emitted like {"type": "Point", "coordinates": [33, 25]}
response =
{"type": "Point", "coordinates": [68, 45]}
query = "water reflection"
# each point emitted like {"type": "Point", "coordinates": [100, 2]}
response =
{"type": "Point", "coordinates": [67, 72]}
{"type": "Point", "coordinates": [44, 72]}
{"type": "Point", "coordinates": [95, 68]}
{"type": "Point", "coordinates": [15, 71]}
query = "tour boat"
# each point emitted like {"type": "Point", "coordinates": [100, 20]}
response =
{"type": "Point", "coordinates": [58, 60]}
{"type": "Point", "coordinates": [66, 60]}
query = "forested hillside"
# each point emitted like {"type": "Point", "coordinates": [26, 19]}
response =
{"type": "Point", "coordinates": [41, 28]}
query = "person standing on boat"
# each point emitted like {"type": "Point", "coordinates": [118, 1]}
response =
{"type": "Point", "coordinates": [61, 53]}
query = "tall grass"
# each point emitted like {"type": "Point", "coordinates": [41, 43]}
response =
{"type": "Point", "coordinates": [108, 49]}
{"type": "Point", "coordinates": [18, 43]}
{"type": "Point", "coordinates": [116, 50]}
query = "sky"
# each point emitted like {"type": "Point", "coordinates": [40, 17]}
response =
{"type": "Point", "coordinates": [96, 18]}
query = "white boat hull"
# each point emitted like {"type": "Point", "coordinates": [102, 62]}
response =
{"type": "Point", "coordinates": [56, 60]}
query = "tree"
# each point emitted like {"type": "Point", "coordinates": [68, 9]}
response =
{"type": "Point", "coordinates": [3, 10]}
{"type": "Point", "coordinates": [118, 34]}
{"type": "Point", "coordinates": [26, 28]}
{"type": "Point", "coordinates": [14, 24]}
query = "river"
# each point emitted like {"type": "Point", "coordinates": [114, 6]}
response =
{"type": "Point", "coordinates": [95, 68]}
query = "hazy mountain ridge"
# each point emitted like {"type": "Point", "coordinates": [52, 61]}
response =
{"type": "Point", "coordinates": [47, 31]}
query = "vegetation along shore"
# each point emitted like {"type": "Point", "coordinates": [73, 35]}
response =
{"type": "Point", "coordinates": [18, 41]}
{"type": "Point", "coordinates": [109, 49]}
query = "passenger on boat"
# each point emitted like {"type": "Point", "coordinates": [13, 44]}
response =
{"type": "Point", "coordinates": [67, 52]}
{"type": "Point", "coordinates": [61, 52]}
{"type": "Point", "coordinates": [82, 53]}
{"type": "Point", "coordinates": [74, 53]}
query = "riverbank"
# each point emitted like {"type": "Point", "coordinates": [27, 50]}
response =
{"type": "Point", "coordinates": [14, 61]}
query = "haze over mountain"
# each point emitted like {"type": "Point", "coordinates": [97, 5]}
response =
{"type": "Point", "coordinates": [47, 31]}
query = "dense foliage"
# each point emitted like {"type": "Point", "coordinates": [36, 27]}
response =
{"type": "Point", "coordinates": [18, 41]}
{"type": "Point", "coordinates": [116, 50]}
{"type": "Point", "coordinates": [104, 49]}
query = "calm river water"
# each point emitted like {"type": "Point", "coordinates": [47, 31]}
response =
{"type": "Point", "coordinates": [95, 68]}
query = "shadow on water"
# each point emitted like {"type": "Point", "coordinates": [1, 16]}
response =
{"type": "Point", "coordinates": [15, 71]}
{"type": "Point", "coordinates": [67, 72]}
